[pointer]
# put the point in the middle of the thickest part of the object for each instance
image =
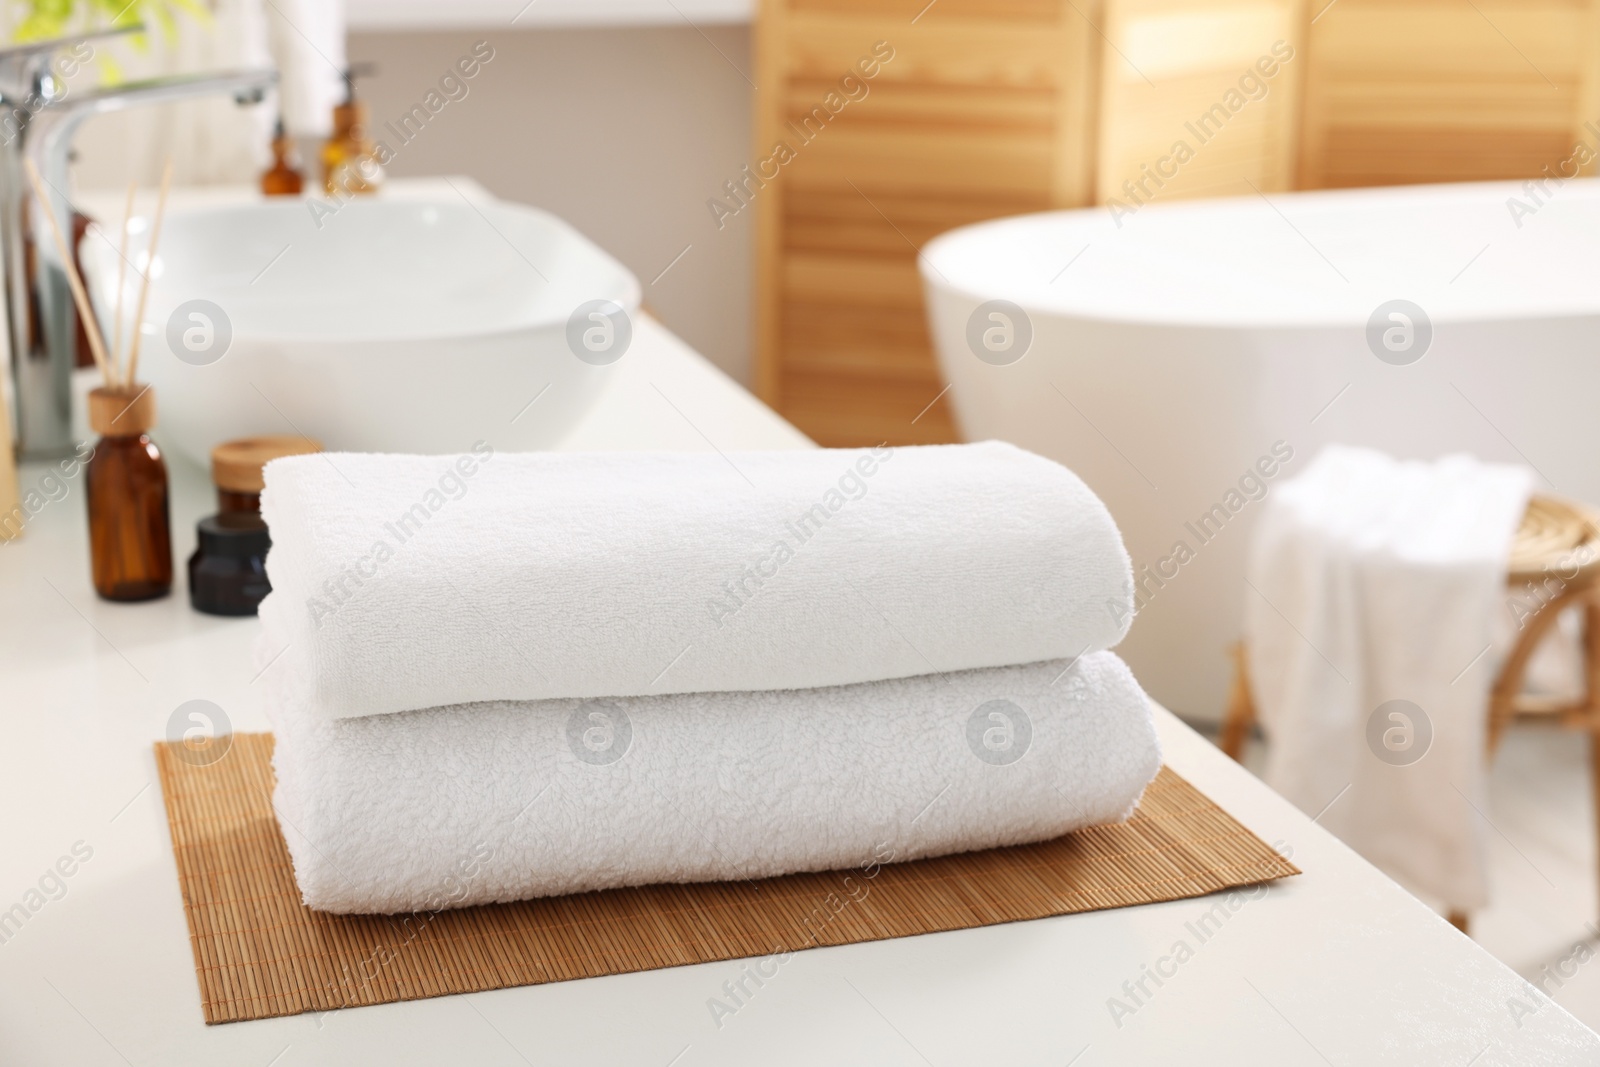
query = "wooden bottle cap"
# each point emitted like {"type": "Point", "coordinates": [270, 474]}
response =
{"type": "Point", "coordinates": [122, 412]}
{"type": "Point", "coordinates": [236, 465]}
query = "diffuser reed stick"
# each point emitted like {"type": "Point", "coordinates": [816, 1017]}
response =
{"type": "Point", "coordinates": [149, 268]}
{"type": "Point", "coordinates": [122, 273]}
{"type": "Point", "coordinates": [90, 325]}
{"type": "Point", "coordinates": [130, 544]}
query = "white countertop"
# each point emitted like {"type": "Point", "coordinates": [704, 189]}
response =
{"type": "Point", "coordinates": [1337, 966]}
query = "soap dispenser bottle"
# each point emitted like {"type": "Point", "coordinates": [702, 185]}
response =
{"type": "Point", "coordinates": [349, 158]}
{"type": "Point", "coordinates": [283, 178]}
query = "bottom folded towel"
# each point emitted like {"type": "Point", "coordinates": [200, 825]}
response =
{"type": "Point", "coordinates": [471, 804]}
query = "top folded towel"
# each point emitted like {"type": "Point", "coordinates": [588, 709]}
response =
{"type": "Point", "coordinates": [404, 582]}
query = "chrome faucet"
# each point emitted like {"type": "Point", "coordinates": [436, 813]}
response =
{"type": "Point", "coordinates": [38, 118]}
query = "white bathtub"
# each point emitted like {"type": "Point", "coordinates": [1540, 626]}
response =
{"type": "Point", "coordinates": [1177, 350]}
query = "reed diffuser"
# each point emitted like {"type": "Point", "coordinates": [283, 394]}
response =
{"type": "Point", "coordinates": [130, 543]}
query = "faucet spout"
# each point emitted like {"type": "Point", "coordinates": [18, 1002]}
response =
{"type": "Point", "coordinates": [57, 124]}
{"type": "Point", "coordinates": [42, 358]}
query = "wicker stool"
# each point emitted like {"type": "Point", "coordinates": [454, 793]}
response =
{"type": "Point", "coordinates": [1557, 553]}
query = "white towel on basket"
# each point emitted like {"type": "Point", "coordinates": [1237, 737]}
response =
{"type": "Point", "coordinates": [405, 582]}
{"type": "Point", "coordinates": [1376, 580]}
{"type": "Point", "coordinates": [453, 806]}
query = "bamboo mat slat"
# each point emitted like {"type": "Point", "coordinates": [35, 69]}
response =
{"type": "Point", "coordinates": [259, 952]}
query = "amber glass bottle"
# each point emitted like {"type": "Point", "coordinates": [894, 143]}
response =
{"type": "Point", "coordinates": [237, 467]}
{"type": "Point", "coordinates": [282, 178]}
{"type": "Point", "coordinates": [349, 158]}
{"type": "Point", "coordinates": [130, 547]}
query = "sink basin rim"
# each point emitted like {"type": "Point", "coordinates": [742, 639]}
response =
{"type": "Point", "coordinates": [621, 285]}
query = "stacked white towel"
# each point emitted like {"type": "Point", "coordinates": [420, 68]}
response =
{"type": "Point", "coordinates": [506, 801]}
{"type": "Point", "coordinates": [495, 677]}
{"type": "Point", "coordinates": [404, 582]}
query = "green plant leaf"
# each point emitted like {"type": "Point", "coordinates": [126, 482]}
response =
{"type": "Point", "coordinates": [43, 20]}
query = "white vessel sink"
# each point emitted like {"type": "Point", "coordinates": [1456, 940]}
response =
{"type": "Point", "coordinates": [390, 325]}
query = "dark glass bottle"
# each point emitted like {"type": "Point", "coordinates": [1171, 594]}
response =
{"type": "Point", "coordinates": [227, 573]}
{"type": "Point", "coordinates": [130, 546]}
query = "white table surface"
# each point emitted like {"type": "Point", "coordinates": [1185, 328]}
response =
{"type": "Point", "coordinates": [1337, 966]}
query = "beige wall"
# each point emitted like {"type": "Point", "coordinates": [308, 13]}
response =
{"type": "Point", "coordinates": [623, 132]}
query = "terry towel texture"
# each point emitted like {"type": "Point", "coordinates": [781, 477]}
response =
{"type": "Point", "coordinates": [1379, 581]}
{"type": "Point", "coordinates": [505, 801]}
{"type": "Point", "coordinates": [406, 582]}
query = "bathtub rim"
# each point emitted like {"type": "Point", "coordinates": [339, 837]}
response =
{"type": "Point", "coordinates": [940, 251]}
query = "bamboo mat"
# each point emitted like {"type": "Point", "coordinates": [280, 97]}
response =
{"type": "Point", "coordinates": [259, 952]}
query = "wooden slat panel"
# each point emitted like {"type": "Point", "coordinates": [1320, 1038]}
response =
{"type": "Point", "coordinates": [832, 339]}
{"type": "Point", "coordinates": [1175, 60]}
{"type": "Point", "coordinates": [1404, 91]}
{"type": "Point", "coordinates": [986, 109]}
{"type": "Point", "coordinates": [893, 224]}
{"type": "Point", "coordinates": [935, 106]}
{"type": "Point", "coordinates": [1446, 106]}
{"type": "Point", "coordinates": [980, 52]}
{"type": "Point", "coordinates": [897, 14]}
{"type": "Point", "coordinates": [852, 280]}
{"type": "Point", "coordinates": [1078, 105]}
{"type": "Point", "coordinates": [850, 411]}
{"type": "Point", "coordinates": [1427, 42]}
{"type": "Point", "coordinates": [1364, 156]}
{"type": "Point", "coordinates": [953, 162]}
{"type": "Point", "coordinates": [768, 45]}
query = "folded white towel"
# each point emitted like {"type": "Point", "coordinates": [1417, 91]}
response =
{"type": "Point", "coordinates": [403, 582]}
{"type": "Point", "coordinates": [1377, 584]}
{"type": "Point", "coordinates": [452, 806]}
